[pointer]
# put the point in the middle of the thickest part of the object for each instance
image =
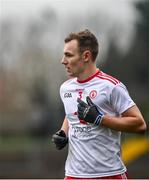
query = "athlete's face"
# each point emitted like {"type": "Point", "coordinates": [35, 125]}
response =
{"type": "Point", "coordinates": [72, 59]}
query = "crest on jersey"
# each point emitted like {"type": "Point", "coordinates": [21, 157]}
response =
{"type": "Point", "coordinates": [93, 94]}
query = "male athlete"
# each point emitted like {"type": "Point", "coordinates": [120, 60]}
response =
{"type": "Point", "coordinates": [98, 108]}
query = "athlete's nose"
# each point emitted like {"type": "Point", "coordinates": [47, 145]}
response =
{"type": "Point", "coordinates": [64, 61]}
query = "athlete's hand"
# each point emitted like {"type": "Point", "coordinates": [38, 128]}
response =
{"type": "Point", "coordinates": [60, 139]}
{"type": "Point", "coordinates": [89, 112]}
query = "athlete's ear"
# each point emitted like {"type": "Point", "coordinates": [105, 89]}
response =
{"type": "Point", "coordinates": [86, 55]}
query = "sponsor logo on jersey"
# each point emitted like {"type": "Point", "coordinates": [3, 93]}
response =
{"type": "Point", "coordinates": [81, 131]}
{"type": "Point", "coordinates": [67, 95]}
{"type": "Point", "coordinates": [85, 129]}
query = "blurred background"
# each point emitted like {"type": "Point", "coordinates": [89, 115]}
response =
{"type": "Point", "coordinates": [32, 36]}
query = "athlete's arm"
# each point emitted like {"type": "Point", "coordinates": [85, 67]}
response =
{"type": "Point", "coordinates": [130, 121]}
{"type": "Point", "coordinates": [65, 126]}
{"type": "Point", "coordinates": [60, 138]}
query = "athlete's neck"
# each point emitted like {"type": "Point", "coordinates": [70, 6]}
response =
{"type": "Point", "coordinates": [87, 73]}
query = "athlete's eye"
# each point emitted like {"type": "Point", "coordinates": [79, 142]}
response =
{"type": "Point", "coordinates": [68, 55]}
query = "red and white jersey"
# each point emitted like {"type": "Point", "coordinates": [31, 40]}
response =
{"type": "Point", "coordinates": [94, 151]}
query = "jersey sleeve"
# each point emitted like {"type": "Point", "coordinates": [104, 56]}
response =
{"type": "Point", "coordinates": [120, 99]}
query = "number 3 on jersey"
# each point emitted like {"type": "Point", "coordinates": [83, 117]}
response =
{"type": "Point", "coordinates": [80, 94]}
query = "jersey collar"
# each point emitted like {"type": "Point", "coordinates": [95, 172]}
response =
{"type": "Point", "coordinates": [89, 78]}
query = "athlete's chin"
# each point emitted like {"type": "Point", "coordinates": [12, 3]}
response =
{"type": "Point", "coordinates": [70, 74]}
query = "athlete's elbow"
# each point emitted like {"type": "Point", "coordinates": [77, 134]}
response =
{"type": "Point", "coordinates": [142, 127]}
